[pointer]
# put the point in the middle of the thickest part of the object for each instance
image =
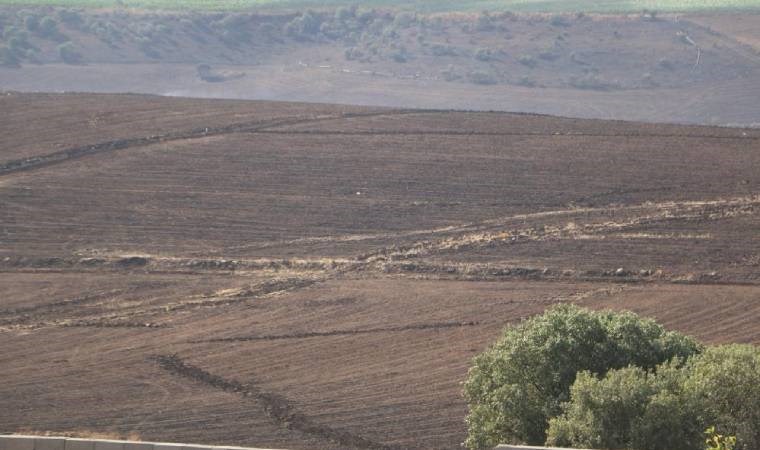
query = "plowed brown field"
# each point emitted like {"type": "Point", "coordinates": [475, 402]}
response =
{"type": "Point", "coordinates": [314, 276]}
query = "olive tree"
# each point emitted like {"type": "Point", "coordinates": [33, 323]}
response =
{"type": "Point", "coordinates": [515, 387]}
{"type": "Point", "coordinates": [668, 408]}
{"type": "Point", "coordinates": [727, 378]}
{"type": "Point", "coordinates": [630, 408]}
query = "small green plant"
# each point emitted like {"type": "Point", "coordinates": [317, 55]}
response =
{"type": "Point", "coordinates": [717, 441]}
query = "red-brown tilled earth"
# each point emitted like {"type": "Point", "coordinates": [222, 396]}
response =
{"type": "Point", "coordinates": [315, 276]}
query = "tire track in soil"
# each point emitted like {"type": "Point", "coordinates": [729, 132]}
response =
{"type": "Point", "coordinates": [81, 324]}
{"type": "Point", "coordinates": [128, 318]}
{"type": "Point", "coordinates": [664, 207]}
{"type": "Point", "coordinates": [280, 409]}
{"type": "Point", "coordinates": [642, 215]}
{"type": "Point", "coordinates": [61, 304]}
{"type": "Point", "coordinates": [313, 334]}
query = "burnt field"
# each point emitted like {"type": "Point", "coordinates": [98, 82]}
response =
{"type": "Point", "coordinates": [314, 276]}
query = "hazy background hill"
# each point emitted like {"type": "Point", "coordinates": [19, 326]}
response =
{"type": "Point", "coordinates": [696, 65]}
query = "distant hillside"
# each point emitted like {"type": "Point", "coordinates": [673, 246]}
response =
{"type": "Point", "coordinates": [577, 51]}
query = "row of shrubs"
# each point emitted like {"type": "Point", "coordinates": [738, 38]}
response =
{"type": "Point", "coordinates": [603, 380]}
{"type": "Point", "coordinates": [18, 29]}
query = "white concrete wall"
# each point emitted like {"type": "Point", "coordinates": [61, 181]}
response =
{"type": "Point", "coordinates": [22, 442]}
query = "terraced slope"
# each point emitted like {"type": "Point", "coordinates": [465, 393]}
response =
{"type": "Point", "coordinates": [300, 276]}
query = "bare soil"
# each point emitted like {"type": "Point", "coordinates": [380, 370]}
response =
{"type": "Point", "coordinates": [314, 276]}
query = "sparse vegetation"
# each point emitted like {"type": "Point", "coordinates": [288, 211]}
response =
{"type": "Point", "coordinates": [527, 60]}
{"type": "Point", "coordinates": [484, 54]}
{"type": "Point", "coordinates": [593, 81]}
{"type": "Point", "coordinates": [69, 53]}
{"type": "Point", "coordinates": [481, 77]}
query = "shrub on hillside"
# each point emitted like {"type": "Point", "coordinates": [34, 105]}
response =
{"type": "Point", "coordinates": [484, 54]}
{"type": "Point", "coordinates": [443, 50]}
{"type": "Point", "coordinates": [304, 27]}
{"type": "Point", "coordinates": [559, 21]}
{"type": "Point", "coordinates": [593, 81]}
{"type": "Point", "coordinates": [404, 20]}
{"type": "Point", "coordinates": [480, 77]}
{"type": "Point", "coordinates": [48, 28]}
{"type": "Point", "coordinates": [8, 58]}
{"type": "Point", "coordinates": [522, 381]}
{"type": "Point", "coordinates": [527, 60]}
{"type": "Point", "coordinates": [31, 23]}
{"type": "Point", "coordinates": [70, 17]}
{"type": "Point", "coordinates": [69, 54]}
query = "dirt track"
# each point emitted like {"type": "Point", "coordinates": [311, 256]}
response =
{"type": "Point", "coordinates": [300, 276]}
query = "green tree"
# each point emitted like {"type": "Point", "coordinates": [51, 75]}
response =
{"type": "Point", "coordinates": [630, 408]}
{"type": "Point", "coordinates": [522, 381]}
{"type": "Point", "coordinates": [728, 379]}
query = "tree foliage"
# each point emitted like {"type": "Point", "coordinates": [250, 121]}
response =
{"type": "Point", "coordinates": [522, 381]}
{"type": "Point", "coordinates": [629, 408]}
{"type": "Point", "coordinates": [727, 379]}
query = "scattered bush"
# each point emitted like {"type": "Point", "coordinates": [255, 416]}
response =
{"type": "Point", "coordinates": [304, 27]}
{"type": "Point", "coordinates": [548, 55]}
{"type": "Point", "coordinates": [480, 77]}
{"type": "Point", "coordinates": [234, 29]}
{"type": "Point", "coordinates": [352, 54]}
{"type": "Point", "coordinates": [593, 82]}
{"type": "Point", "coordinates": [527, 60]}
{"type": "Point", "coordinates": [31, 23]}
{"type": "Point", "coordinates": [559, 21]}
{"type": "Point", "coordinates": [649, 14]}
{"type": "Point", "coordinates": [344, 14]}
{"type": "Point", "coordinates": [404, 20]}
{"type": "Point", "coordinates": [399, 55]}
{"type": "Point", "coordinates": [526, 81]}
{"type": "Point", "coordinates": [521, 382]}
{"type": "Point", "coordinates": [443, 50]}
{"type": "Point", "coordinates": [48, 28]}
{"type": "Point", "coordinates": [8, 57]}
{"type": "Point", "coordinates": [484, 54]}
{"type": "Point", "coordinates": [484, 22]}
{"type": "Point", "coordinates": [69, 54]}
{"type": "Point", "coordinates": [70, 17]}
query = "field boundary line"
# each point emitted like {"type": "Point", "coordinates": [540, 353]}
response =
{"type": "Point", "coordinates": [279, 408]}
{"type": "Point", "coordinates": [314, 334]}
